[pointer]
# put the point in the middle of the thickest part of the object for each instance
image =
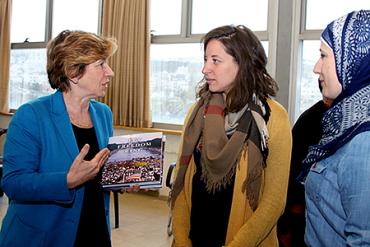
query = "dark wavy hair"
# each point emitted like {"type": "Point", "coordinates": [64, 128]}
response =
{"type": "Point", "coordinates": [70, 52]}
{"type": "Point", "coordinates": [244, 46]}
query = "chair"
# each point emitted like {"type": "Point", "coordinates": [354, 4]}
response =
{"type": "Point", "coordinates": [116, 209]}
{"type": "Point", "coordinates": [169, 182]}
{"type": "Point", "coordinates": [2, 132]}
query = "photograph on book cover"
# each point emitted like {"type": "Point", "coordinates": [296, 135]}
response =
{"type": "Point", "coordinates": [135, 159]}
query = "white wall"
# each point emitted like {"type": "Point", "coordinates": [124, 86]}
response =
{"type": "Point", "coordinates": [171, 148]}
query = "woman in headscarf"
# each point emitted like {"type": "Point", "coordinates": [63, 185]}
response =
{"type": "Point", "coordinates": [338, 181]}
{"type": "Point", "coordinates": [232, 172]}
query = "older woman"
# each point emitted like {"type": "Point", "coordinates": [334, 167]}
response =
{"type": "Point", "coordinates": [233, 169]}
{"type": "Point", "coordinates": [338, 182]}
{"type": "Point", "coordinates": [55, 148]}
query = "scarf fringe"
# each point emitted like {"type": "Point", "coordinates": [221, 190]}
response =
{"type": "Point", "coordinates": [213, 185]}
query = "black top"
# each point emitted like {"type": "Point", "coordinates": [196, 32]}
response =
{"type": "Point", "coordinates": [306, 131]}
{"type": "Point", "coordinates": [92, 228]}
{"type": "Point", "coordinates": [209, 212]}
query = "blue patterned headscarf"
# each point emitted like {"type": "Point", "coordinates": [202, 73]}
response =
{"type": "Point", "coordinates": [349, 115]}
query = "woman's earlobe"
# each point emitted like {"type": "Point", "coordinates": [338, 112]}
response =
{"type": "Point", "coordinates": [74, 81]}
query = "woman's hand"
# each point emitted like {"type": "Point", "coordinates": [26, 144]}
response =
{"type": "Point", "coordinates": [82, 170]}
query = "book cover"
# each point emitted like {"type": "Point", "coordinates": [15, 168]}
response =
{"type": "Point", "coordinates": [135, 159]}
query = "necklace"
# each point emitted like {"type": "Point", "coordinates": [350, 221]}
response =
{"type": "Point", "coordinates": [83, 125]}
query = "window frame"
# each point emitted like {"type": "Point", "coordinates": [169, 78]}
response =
{"type": "Point", "coordinates": [47, 36]}
{"type": "Point", "coordinates": [285, 46]}
{"type": "Point", "coordinates": [300, 34]}
{"type": "Point", "coordinates": [48, 32]}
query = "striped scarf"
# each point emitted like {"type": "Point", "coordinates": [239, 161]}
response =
{"type": "Point", "coordinates": [220, 154]}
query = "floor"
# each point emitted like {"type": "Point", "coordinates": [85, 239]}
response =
{"type": "Point", "coordinates": [142, 221]}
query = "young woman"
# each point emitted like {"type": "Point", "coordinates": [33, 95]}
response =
{"type": "Point", "coordinates": [232, 172]}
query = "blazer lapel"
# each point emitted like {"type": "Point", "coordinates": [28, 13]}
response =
{"type": "Point", "coordinates": [62, 124]}
{"type": "Point", "coordinates": [97, 126]}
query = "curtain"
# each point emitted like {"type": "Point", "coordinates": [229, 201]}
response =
{"type": "Point", "coordinates": [128, 91]}
{"type": "Point", "coordinates": [5, 18]}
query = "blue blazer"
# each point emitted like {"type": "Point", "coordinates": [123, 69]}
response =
{"type": "Point", "coordinates": [39, 150]}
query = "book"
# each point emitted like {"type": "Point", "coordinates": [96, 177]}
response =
{"type": "Point", "coordinates": [135, 159]}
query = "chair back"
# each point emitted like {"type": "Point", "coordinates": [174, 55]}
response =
{"type": "Point", "coordinates": [2, 132]}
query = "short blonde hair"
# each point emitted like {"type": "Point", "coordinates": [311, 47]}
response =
{"type": "Point", "coordinates": [70, 52]}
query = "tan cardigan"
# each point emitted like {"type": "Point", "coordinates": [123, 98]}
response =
{"type": "Point", "coordinates": [248, 228]}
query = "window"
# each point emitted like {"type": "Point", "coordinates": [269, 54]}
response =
{"type": "Point", "coordinates": [175, 73]}
{"type": "Point", "coordinates": [315, 16]}
{"type": "Point", "coordinates": [27, 24]}
{"type": "Point", "coordinates": [176, 52]}
{"type": "Point", "coordinates": [169, 23]}
{"type": "Point", "coordinates": [33, 24]}
{"type": "Point", "coordinates": [249, 12]}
